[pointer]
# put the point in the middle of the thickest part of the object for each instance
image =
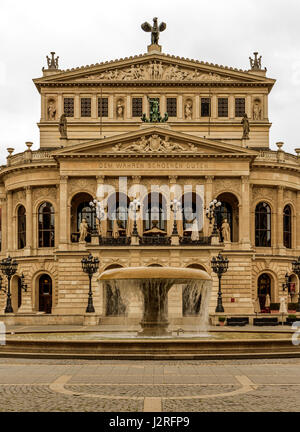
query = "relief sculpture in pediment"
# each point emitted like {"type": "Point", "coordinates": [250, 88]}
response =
{"type": "Point", "coordinates": [154, 144]}
{"type": "Point", "coordinates": [156, 70]}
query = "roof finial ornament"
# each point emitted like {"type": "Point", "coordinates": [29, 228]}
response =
{"type": "Point", "coordinates": [52, 62]}
{"type": "Point", "coordinates": [155, 30]}
{"type": "Point", "coordinates": [256, 62]}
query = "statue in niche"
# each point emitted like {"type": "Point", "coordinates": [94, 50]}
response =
{"type": "Point", "coordinates": [120, 109]}
{"type": "Point", "coordinates": [51, 109]}
{"type": "Point", "coordinates": [83, 230]}
{"type": "Point", "coordinates": [246, 127]}
{"type": "Point", "coordinates": [257, 111]}
{"type": "Point", "coordinates": [188, 110]}
{"type": "Point", "coordinates": [225, 229]}
{"type": "Point", "coordinates": [63, 126]}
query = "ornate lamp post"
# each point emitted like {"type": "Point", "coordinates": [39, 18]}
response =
{"type": "Point", "coordinates": [135, 205]}
{"type": "Point", "coordinates": [219, 266]}
{"type": "Point", "coordinates": [90, 266]}
{"type": "Point", "coordinates": [211, 213]}
{"type": "Point", "coordinates": [296, 269]}
{"type": "Point", "coordinates": [175, 206]}
{"type": "Point", "coordinates": [8, 267]}
{"type": "Point", "coordinates": [97, 209]}
{"type": "Point", "coordinates": [286, 284]}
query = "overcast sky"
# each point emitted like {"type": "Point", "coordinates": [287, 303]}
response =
{"type": "Point", "coordinates": [91, 31]}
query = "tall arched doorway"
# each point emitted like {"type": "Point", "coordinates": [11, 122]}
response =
{"type": "Point", "coordinates": [229, 210]}
{"type": "Point", "coordinates": [263, 289]}
{"type": "Point", "coordinates": [45, 293]}
{"type": "Point", "coordinates": [80, 209]}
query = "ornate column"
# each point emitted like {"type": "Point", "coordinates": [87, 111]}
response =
{"type": "Point", "coordinates": [180, 107]}
{"type": "Point", "coordinates": [111, 107]}
{"type": "Point", "coordinates": [248, 106]}
{"type": "Point", "coordinates": [100, 197]}
{"type": "Point", "coordinates": [9, 221]}
{"type": "Point", "coordinates": [60, 106]}
{"type": "Point", "coordinates": [128, 108]}
{"type": "Point", "coordinates": [172, 185]}
{"type": "Point", "coordinates": [28, 191]}
{"type": "Point", "coordinates": [196, 107]}
{"type": "Point", "coordinates": [163, 105]}
{"type": "Point", "coordinates": [146, 106]}
{"type": "Point", "coordinates": [77, 110]}
{"type": "Point", "coordinates": [214, 107]}
{"type": "Point", "coordinates": [279, 224]}
{"type": "Point", "coordinates": [298, 221]}
{"type": "Point", "coordinates": [244, 213]}
{"type": "Point", "coordinates": [63, 212]}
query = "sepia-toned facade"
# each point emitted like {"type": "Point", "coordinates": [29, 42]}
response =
{"type": "Point", "coordinates": [93, 144]}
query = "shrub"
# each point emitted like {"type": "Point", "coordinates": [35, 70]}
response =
{"type": "Point", "coordinates": [222, 319]}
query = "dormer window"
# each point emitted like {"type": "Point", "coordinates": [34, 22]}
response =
{"type": "Point", "coordinates": [69, 107]}
{"type": "Point", "coordinates": [86, 107]}
{"type": "Point", "coordinates": [239, 107]}
{"type": "Point", "coordinates": [172, 107]}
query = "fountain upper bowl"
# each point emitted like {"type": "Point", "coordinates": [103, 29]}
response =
{"type": "Point", "coordinates": [175, 273]}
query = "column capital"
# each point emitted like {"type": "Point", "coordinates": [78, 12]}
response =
{"type": "Point", "coordinates": [172, 179]}
{"type": "Point", "coordinates": [209, 179]}
{"type": "Point", "coordinates": [27, 189]}
{"type": "Point", "coordinates": [245, 178]}
{"type": "Point", "coordinates": [63, 178]}
{"type": "Point", "coordinates": [136, 179]}
{"type": "Point", "coordinates": [100, 178]}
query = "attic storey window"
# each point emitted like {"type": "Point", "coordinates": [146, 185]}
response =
{"type": "Point", "coordinates": [222, 107]}
{"type": "Point", "coordinates": [69, 107]}
{"type": "Point", "coordinates": [205, 107]}
{"type": "Point", "coordinates": [239, 107]}
{"type": "Point", "coordinates": [172, 107]}
{"type": "Point", "coordinates": [137, 107]}
{"type": "Point", "coordinates": [102, 107]}
{"type": "Point", "coordinates": [86, 107]}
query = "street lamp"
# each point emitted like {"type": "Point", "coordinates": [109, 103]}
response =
{"type": "Point", "coordinates": [135, 205]}
{"type": "Point", "coordinates": [175, 206]}
{"type": "Point", "coordinates": [90, 265]}
{"type": "Point", "coordinates": [219, 266]}
{"type": "Point", "coordinates": [296, 269]}
{"type": "Point", "coordinates": [8, 266]}
{"type": "Point", "coordinates": [286, 284]}
{"type": "Point", "coordinates": [211, 213]}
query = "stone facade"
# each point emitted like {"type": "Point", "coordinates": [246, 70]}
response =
{"type": "Point", "coordinates": [194, 153]}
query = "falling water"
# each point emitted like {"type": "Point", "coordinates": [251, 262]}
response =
{"type": "Point", "coordinates": [195, 298]}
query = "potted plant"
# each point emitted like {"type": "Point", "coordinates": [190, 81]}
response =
{"type": "Point", "coordinates": [291, 318]}
{"type": "Point", "coordinates": [274, 307]}
{"type": "Point", "coordinates": [222, 320]}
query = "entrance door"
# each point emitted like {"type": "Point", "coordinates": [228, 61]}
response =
{"type": "Point", "coordinates": [45, 293]}
{"type": "Point", "coordinates": [263, 288]}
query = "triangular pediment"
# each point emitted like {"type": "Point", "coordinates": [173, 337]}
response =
{"type": "Point", "coordinates": [155, 140]}
{"type": "Point", "coordinates": [154, 67]}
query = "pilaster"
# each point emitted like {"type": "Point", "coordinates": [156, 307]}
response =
{"type": "Point", "coordinates": [28, 191]}
{"type": "Point", "coordinates": [63, 211]}
{"type": "Point", "coordinates": [279, 224]}
{"type": "Point", "coordinates": [9, 221]}
{"type": "Point", "coordinates": [244, 216]}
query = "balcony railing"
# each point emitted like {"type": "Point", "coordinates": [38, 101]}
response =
{"type": "Point", "coordinates": [153, 241]}
{"type": "Point", "coordinates": [111, 241]}
{"type": "Point", "coordinates": [187, 241]}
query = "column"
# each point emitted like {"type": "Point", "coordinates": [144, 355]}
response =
{"type": "Point", "coordinates": [248, 107]}
{"type": "Point", "coordinates": [60, 107]}
{"type": "Point", "coordinates": [9, 222]}
{"type": "Point", "coordinates": [298, 221]}
{"type": "Point", "coordinates": [3, 225]}
{"type": "Point", "coordinates": [196, 107]}
{"type": "Point", "coordinates": [110, 107]}
{"type": "Point", "coordinates": [279, 224]}
{"type": "Point", "coordinates": [265, 107]}
{"type": "Point", "coordinates": [208, 198]}
{"type": "Point", "coordinates": [214, 103]}
{"type": "Point", "coordinates": [43, 108]}
{"type": "Point", "coordinates": [100, 197]}
{"type": "Point", "coordinates": [163, 105]}
{"type": "Point", "coordinates": [77, 110]}
{"type": "Point", "coordinates": [179, 107]}
{"type": "Point", "coordinates": [231, 107]}
{"type": "Point", "coordinates": [244, 213]}
{"type": "Point", "coordinates": [94, 113]}
{"type": "Point", "coordinates": [63, 211]}
{"type": "Point", "coordinates": [128, 107]}
{"type": "Point", "coordinates": [28, 218]}
{"type": "Point", "coordinates": [146, 106]}
{"type": "Point", "coordinates": [172, 186]}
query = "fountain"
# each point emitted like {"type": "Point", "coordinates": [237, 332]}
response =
{"type": "Point", "coordinates": [154, 284]}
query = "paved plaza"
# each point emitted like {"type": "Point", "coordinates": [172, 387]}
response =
{"type": "Point", "coordinates": [142, 386]}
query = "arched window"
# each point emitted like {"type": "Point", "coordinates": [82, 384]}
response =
{"type": "Point", "coordinates": [84, 211]}
{"type": "Point", "coordinates": [192, 206]}
{"type": "Point", "coordinates": [287, 227]}
{"type": "Point", "coordinates": [263, 289]}
{"type": "Point", "coordinates": [45, 293]}
{"type": "Point", "coordinates": [21, 227]}
{"type": "Point", "coordinates": [46, 225]}
{"type": "Point", "coordinates": [117, 209]}
{"type": "Point", "coordinates": [155, 211]}
{"type": "Point", "coordinates": [263, 225]}
{"type": "Point", "coordinates": [229, 210]}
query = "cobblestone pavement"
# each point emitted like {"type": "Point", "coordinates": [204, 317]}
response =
{"type": "Point", "coordinates": [136, 386]}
